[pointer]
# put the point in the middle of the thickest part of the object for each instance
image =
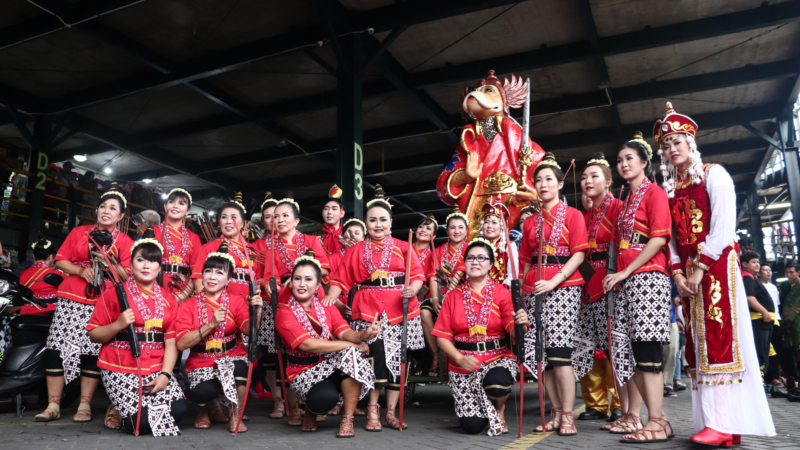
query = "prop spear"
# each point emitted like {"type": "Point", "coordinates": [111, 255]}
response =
{"type": "Point", "coordinates": [519, 331]}
{"type": "Point", "coordinates": [611, 297]}
{"type": "Point", "coordinates": [133, 340]}
{"type": "Point", "coordinates": [538, 300]}
{"type": "Point", "coordinates": [273, 286]}
{"type": "Point", "coordinates": [404, 334]}
{"type": "Point", "coordinates": [252, 355]}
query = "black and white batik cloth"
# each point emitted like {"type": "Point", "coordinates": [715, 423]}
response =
{"type": "Point", "coordinates": [641, 314]}
{"type": "Point", "coordinates": [391, 335]}
{"type": "Point", "coordinates": [560, 321]}
{"type": "Point", "coordinates": [593, 321]}
{"type": "Point", "coordinates": [123, 390]}
{"type": "Point", "coordinates": [222, 370]}
{"type": "Point", "coordinates": [5, 334]}
{"type": "Point", "coordinates": [68, 335]}
{"type": "Point", "coordinates": [470, 397]}
{"type": "Point", "coordinates": [350, 361]}
{"type": "Point", "coordinates": [266, 330]}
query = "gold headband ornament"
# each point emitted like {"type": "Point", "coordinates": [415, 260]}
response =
{"type": "Point", "coordinates": [147, 241]}
{"type": "Point", "coordinates": [307, 258]}
{"type": "Point", "coordinates": [454, 215]}
{"type": "Point", "coordinates": [358, 221]}
{"type": "Point", "coordinates": [598, 161]}
{"type": "Point", "coordinates": [222, 255]}
{"type": "Point", "coordinates": [289, 201]}
{"type": "Point", "coordinates": [46, 245]}
{"type": "Point", "coordinates": [182, 191]}
{"type": "Point", "coordinates": [118, 194]}
{"type": "Point", "coordinates": [639, 138]}
{"type": "Point", "coordinates": [485, 241]}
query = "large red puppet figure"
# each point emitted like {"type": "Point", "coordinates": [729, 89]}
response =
{"type": "Point", "coordinates": [490, 164]}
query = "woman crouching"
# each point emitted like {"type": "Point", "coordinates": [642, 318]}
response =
{"type": "Point", "coordinates": [209, 324]}
{"type": "Point", "coordinates": [153, 312]}
{"type": "Point", "coordinates": [473, 329]}
{"type": "Point", "coordinates": [321, 369]}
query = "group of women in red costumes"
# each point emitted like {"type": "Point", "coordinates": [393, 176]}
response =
{"type": "Point", "coordinates": [338, 325]}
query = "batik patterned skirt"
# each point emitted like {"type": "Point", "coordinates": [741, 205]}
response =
{"type": "Point", "coordinates": [123, 390]}
{"type": "Point", "coordinates": [68, 335]}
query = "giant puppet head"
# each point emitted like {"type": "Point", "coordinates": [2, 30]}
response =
{"type": "Point", "coordinates": [491, 98]}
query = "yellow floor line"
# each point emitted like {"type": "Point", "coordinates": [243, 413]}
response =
{"type": "Point", "coordinates": [533, 437]}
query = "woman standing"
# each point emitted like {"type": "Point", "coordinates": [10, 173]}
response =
{"type": "Point", "coordinates": [641, 322]}
{"type": "Point", "coordinates": [77, 295]}
{"type": "Point", "coordinates": [564, 244]}
{"type": "Point", "coordinates": [727, 399]}
{"type": "Point", "coordinates": [153, 312]}
{"type": "Point", "coordinates": [179, 244]}
{"type": "Point", "coordinates": [423, 237]}
{"type": "Point", "coordinates": [33, 278]}
{"type": "Point", "coordinates": [379, 265]}
{"type": "Point", "coordinates": [326, 357]}
{"type": "Point", "coordinates": [492, 228]}
{"type": "Point", "coordinates": [450, 257]}
{"type": "Point", "coordinates": [480, 312]}
{"type": "Point", "coordinates": [209, 325]}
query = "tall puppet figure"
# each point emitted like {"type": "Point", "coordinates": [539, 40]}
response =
{"type": "Point", "coordinates": [727, 398]}
{"type": "Point", "coordinates": [490, 164]}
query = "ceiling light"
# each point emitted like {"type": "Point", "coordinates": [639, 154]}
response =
{"type": "Point", "coordinates": [80, 158]}
{"type": "Point", "coordinates": [147, 181]}
{"type": "Point", "coordinates": [164, 196]}
{"type": "Point", "coordinates": [211, 213]}
{"type": "Point", "coordinates": [107, 170]}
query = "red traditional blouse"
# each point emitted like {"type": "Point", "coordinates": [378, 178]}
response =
{"type": "Point", "coordinates": [180, 245]}
{"type": "Point", "coordinates": [294, 250]}
{"type": "Point", "coordinates": [115, 355]}
{"type": "Point", "coordinates": [652, 219]}
{"type": "Point", "coordinates": [603, 232]}
{"type": "Point", "coordinates": [330, 239]}
{"type": "Point", "coordinates": [293, 334]}
{"type": "Point", "coordinates": [573, 239]}
{"type": "Point", "coordinates": [371, 301]}
{"type": "Point", "coordinates": [238, 285]}
{"type": "Point", "coordinates": [452, 322]}
{"type": "Point", "coordinates": [33, 278]}
{"type": "Point", "coordinates": [450, 254]}
{"type": "Point", "coordinates": [189, 321]}
{"type": "Point", "coordinates": [75, 249]}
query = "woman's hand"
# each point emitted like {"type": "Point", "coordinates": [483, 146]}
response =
{"type": "Point", "coordinates": [121, 273]}
{"type": "Point", "coordinates": [611, 281]}
{"type": "Point", "coordinates": [683, 287]}
{"type": "Point", "coordinates": [468, 363]}
{"type": "Point", "coordinates": [695, 279]}
{"type": "Point", "coordinates": [545, 286]}
{"type": "Point", "coordinates": [409, 291]}
{"type": "Point", "coordinates": [373, 330]}
{"type": "Point", "coordinates": [437, 305]}
{"type": "Point", "coordinates": [255, 300]}
{"type": "Point", "coordinates": [362, 346]}
{"type": "Point", "coordinates": [124, 319]}
{"type": "Point", "coordinates": [266, 287]}
{"type": "Point", "coordinates": [329, 300]}
{"type": "Point", "coordinates": [525, 194]}
{"type": "Point", "coordinates": [521, 317]}
{"type": "Point", "coordinates": [218, 317]}
{"type": "Point", "coordinates": [344, 310]}
{"type": "Point", "coordinates": [87, 273]}
{"type": "Point", "coordinates": [157, 385]}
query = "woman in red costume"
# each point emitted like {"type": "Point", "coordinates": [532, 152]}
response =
{"type": "Point", "coordinates": [641, 320]}
{"type": "Point", "coordinates": [423, 236]}
{"type": "Point", "coordinates": [77, 296]}
{"type": "Point", "coordinates": [325, 356]}
{"type": "Point", "coordinates": [493, 229]}
{"type": "Point", "coordinates": [561, 284]}
{"type": "Point", "coordinates": [353, 232]}
{"type": "Point", "coordinates": [379, 265]}
{"type": "Point", "coordinates": [210, 325]}
{"type": "Point", "coordinates": [727, 398]}
{"type": "Point", "coordinates": [475, 328]}
{"type": "Point", "coordinates": [33, 277]}
{"type": "Point", "coordinates": [179, 244]}
{"type": "Point", "coordinates": [153, 313]}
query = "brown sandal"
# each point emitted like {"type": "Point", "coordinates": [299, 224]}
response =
{"type": "Point", "coordinates": [50, 414]}
{"type": "Point", "coordinates": [392, 421]}
{"type": "Point", "coordinates": [278, 409]}
{"type": "Point", "coordinates": [346, 427]}
{"type": "Point", "coordinates": [613, 424]}
{"type": "Point", "coordinates": [322, 417]}
{"type": "Point", "coordinates": [202, 422]}
{"type": "Point", "coordinates": [553, 423]}
{"type": "Point", "coordinates": [567, 427]}
{"type": "Point", "coordinates": [233, 419]}
{"type": "Point", "coordinates": [631, 423]}
{"type": "Point", "coordinates": [295, 416]}
{"type": "Point", "coordinates": [335, 411]}
{"type": "Point", "coordinates": [664, 423]}
{"type": "Point", "coordinates": [85, 414]}
{"type": "Point", "coordinates": [649, 436]}
{"type": "Point", "coordinates": [373, 418]}
{"type": "Point", "coordinates": [309, 422]}
{"type": "Point", "coordinates": [217, 413]}
{"type": "Point", "coordinates": [113, 419]}
{"type": "Point", "coordinates": [502, 416]}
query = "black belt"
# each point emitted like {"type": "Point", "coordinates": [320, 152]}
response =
{"type": "Point", "coordinates": [482, 347]}
{"type": "Point", "coordinates": [176, 268]}
{"type": "Point", "coordinates": [598, 256]}
{"type": "Point", "coordinates": [385, 282]}
{"type": "Point", "coordinates": [303, 360]}
{"type": "Point", "coordinates": [146, 337]}
{"type": "Point", "coordinates": [551, 259]}
{"type": "Point", "coordinates": [48, 301]}
{"type": "Point", "coordinates": [241, 276]}
{"type": "Point", "coordinates": [201, 348]}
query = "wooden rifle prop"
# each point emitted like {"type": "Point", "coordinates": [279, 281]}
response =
{"type": "Point", "coordinates": [133, 340]}
{"type": "Point", "coordinates": [252, 354]}
{"type": "Point", "coordinates": [539, 347]}
{"type": "Point", "coordinates": [611, 297]}
{"type": "Point", "coordinates": [273, 286]}
{"type": "Point", "coordinates": [519, 330]}
{"type": "Point", "coordinates": [439, 287]}
{"type": "Point", "coordinates": [404, 334]}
